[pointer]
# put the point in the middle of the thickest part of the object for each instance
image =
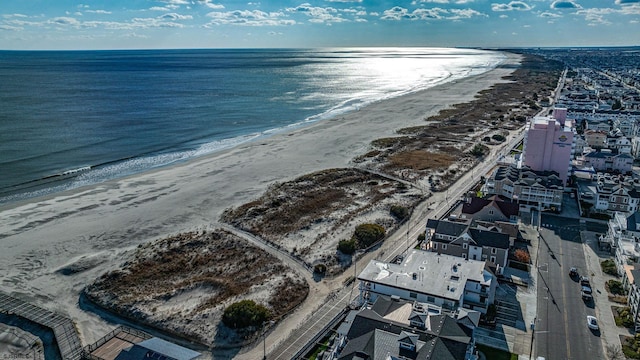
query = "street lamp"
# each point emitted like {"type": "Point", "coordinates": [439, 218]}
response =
{"type": "Point", "coordinates": [264, 337]}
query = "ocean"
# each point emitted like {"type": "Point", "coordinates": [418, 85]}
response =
{"type": "Point", "coordinates": [75, 118]}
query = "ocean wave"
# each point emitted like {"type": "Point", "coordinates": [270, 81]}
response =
{"type": "Point", "coordinates": [341, 86]}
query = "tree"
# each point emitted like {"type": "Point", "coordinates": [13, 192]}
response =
{"type": "Point", "coordinates": [498, 137]}
{"type": "Point", "coordinates": [617, 105]}
{"type": "Point", "coordinates": [367, 234]}
{"type": "Point", "coordinates": [478, 150]}
{"type": "Point", "coordinates": [399, 212]}
{"type": "Point", "coordinates": [347, 247]}
{"type": "Point", "coordinates": [245, 313]}
{"type": "Point", "coordinates": [522, 256]}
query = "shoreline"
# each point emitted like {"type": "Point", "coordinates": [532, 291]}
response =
{"type": "Point", "coordinates": [91, 174]}
{"type": "Point", "coordinates": [101, 223]}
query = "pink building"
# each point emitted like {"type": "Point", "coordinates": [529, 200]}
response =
{"type": "Point", "coordinates": [550, 144]}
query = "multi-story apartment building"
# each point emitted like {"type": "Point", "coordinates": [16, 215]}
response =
{"type": "Point", "coordinates": [460, 239]}
{"type": "Point", "coordinates": [606, 160]}
{"type": "Point", "coordinates": [531, 189]}
{"type": "Point", "coordinates": [611, 193]}
{"type": "Point", "coordinates": [596, 139]}
{"type": "Point", "coordinates": [632, 283]}
{"type": "Point", "coordinates": [393, 328]}
{"type": "Point", "coordinates": [443, 280]}
{"type": "Point", "coordinates": [549, 144]}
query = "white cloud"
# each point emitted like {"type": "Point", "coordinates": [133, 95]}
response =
{"type": "Point", "coordinates": [513, 5]}
{"type": "Point", "coordinates": [248, 18]}
{"type": "Point", "coordinates": [64, 20]}
{"type": "Point", "coordinates": [98, 11]}
{"type": "Point", "coordinates": [345, 1]}
{"type": "Point", "coordinates": [8, 16]}
{"type": "Point", "coordinates": [159, 8]}
{"type": "Point", "coordinates": [316, 14]}
{"type": "Point", "coordinates": [622, 2]}
{"type": "Point", "coordinates": [10, 28]}
{"type": "Point", "coordinates": [504, 16]}
{"type": "Point", "coordinates": [174, 17]}
{"type": "Point", "coordinates": [415, 2]}
{"type": "Point", "coordinates": [211, 5]}
{"type": "Point", "coordinates": [596, 16]}
{"type": "Point", "coordinates": [547, 14]}
{"type": "Point", "coordinates": [175, 2]}
{"type": "Point", "coordinates": [565, 4]}
{"type": "Point", "coordinates": [633, 9]}
{"type": "Point", "coordinates": [399, 13]}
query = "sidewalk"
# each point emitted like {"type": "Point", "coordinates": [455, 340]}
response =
{"type": "Point", "coordinates": [517, 339]}
{"type": "Point", "coordinates": [610, 333]}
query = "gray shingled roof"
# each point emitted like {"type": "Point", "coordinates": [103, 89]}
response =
{"type": "Point", "coordinates": [375, 336]}
{"type": "Point", "coordinates": [490, 238]}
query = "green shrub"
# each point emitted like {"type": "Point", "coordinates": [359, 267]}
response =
{"type": "Point", "coordinates": [367, 234]}
{"type": "Point", "coordinates": [615, 287]}
{"type": "Point", "coordinates": [478, 150]}
{"type": "Point", "coordinates": [347, 247]}
{"type": "Point", "coordinates": [630, 347]}
{"type": "Point", "coordinates": [320, 268]}
{"type": "Point", "coordinates": [498, 137]}
{"type": "Point", "coordinates": [609, 267]}
{"type": "Point", "coordinates": [399, 212]}
{"type": "Point", "coordinates": [245, 313]}
{"type": "Point", "coordinates": [622, 317]}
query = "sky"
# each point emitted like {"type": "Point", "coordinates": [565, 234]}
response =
{"type": "Point", "coordinates": [165, 24]}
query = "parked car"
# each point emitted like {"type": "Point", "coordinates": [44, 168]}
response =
{"type": "Point", "coordinates": [586, 293]}
{"type": "Point", "coordinates": [592, 322]}
{"type": "Point", "coordinates": [584, 281]}
{"type": "Point", "coordinates": [573, 272]}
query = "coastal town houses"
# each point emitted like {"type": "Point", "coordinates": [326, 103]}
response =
{"type": "Point", "coordinates": [495, 213]}
{"type": "Point", "coordinates": [392, 328]}
{"type": "Point", "coordinates": [531, 189]}
{"type": "Point", "coordinates": [606, 160]}
{"type": "Point", "coordinates": [608, 194]}
{"type": "Point", "coordinates": [595, 139]}
{"type": "Point", "coordinates": [633, 300]}
{"type": "Point", "coordinates": [549, 143]}
{"type": "Point", "coordinates": [460, 239]}
{"type": "Point", "coordinates": [623, 233]}
{"type": "Point", "coordinates": [619, 143]}
{"type": "Point", "coordinates": [445, 281]}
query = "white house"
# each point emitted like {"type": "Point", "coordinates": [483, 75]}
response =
{"type": "Point", "coordinates": [428, 277]}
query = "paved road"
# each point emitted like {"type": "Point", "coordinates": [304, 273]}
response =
{"type": "Point", "coordinates": [561, 328]}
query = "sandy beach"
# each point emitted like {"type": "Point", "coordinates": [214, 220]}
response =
{"type": "Point", "coordinates": [54, 246]}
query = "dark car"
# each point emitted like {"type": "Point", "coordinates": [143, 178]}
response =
{"type": "Point", "coordinates": [584, 281]}
{"type": "Point", "coordinates": [586, 293]}
{"type": "Point", "coordinates": [573, 272]}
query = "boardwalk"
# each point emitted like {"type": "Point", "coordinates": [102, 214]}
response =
{"type": "Point", "coordinates": [63, 328]}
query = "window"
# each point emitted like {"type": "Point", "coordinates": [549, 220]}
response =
{"type": "Point", "coordinates": [407, 346]}
{"type": "Point", "coordinates": [464, 256]}
{"type": "Point", "coordinates": [435, 246]}
{"type": "Point", "coordinates": [493, 259]}
{"type": "Point", "coordinates": [494, 250]}
{"type": "Point", "coordinates": [444, 246]}
{"type": "Point", "coordinates": [413, 295]}
{"type": "Point", "coordinates": [465, 245]}
{"type": "Point", "coordinates": [431, 299]}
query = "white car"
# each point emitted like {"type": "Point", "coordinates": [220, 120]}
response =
{"type": "Point", "coordinates": [592, 322]}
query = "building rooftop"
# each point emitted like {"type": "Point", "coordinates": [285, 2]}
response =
{"type": "Point", "coordinates": [157, 347]}
{"type": "Point", "coordinates": [444, 276]}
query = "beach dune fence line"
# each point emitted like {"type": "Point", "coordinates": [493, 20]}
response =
{"type": "Point", "coordinates": [64, 330]}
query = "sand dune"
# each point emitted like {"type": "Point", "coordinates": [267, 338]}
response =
{"type": "Point", "coordinates": [55, 246]}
